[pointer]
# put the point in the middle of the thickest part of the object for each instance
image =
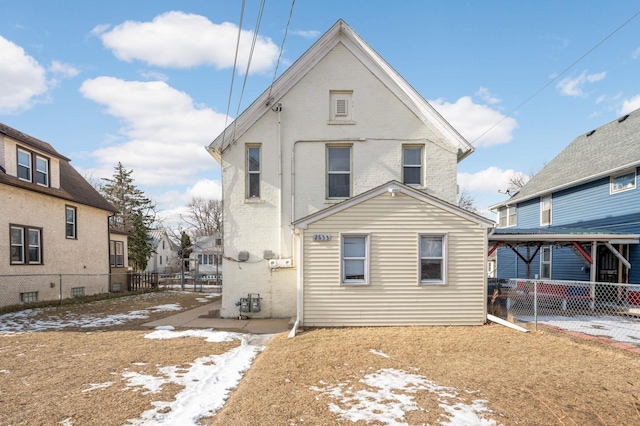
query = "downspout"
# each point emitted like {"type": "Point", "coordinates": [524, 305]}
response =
{"type": "Point", "coordinates": [278, 109]}
{"type": "Point", "coordinates": [299, 283]}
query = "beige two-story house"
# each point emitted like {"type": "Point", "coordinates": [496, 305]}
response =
{"type": "Point", "coordinates": [52, 222]}
{"type": "Point", "coordinates": [339, 192]}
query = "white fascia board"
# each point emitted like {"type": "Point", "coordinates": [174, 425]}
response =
{"type": "Point", "coordinates": [406, 93]}
{"type": "Point", "coordinates": [400, 188]}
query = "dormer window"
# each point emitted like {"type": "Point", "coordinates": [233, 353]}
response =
{"type": "Point", "coordinates": [24, 165]}
{"type": "Point", "coordinates": [27, 162]}
{"type": "Point", "coordinates": [623, 182]}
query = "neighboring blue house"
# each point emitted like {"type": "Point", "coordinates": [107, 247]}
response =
{"type": "Point", "coordinates": [579, 217]}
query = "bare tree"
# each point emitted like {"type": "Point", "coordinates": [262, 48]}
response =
{"type": "Point", "coordinates": [204, 216]}
{"type": "Point", "coordinates": [466, 201]}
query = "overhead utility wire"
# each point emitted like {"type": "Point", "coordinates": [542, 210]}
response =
{"type": "Point", "coordinates": [233, 73]}
{"type": "Point", "coordinates": [555, 78]}
{"type": "Point", "coordinates": [286, 30]}
{"type": "Point", "coordinates": [246, 74]}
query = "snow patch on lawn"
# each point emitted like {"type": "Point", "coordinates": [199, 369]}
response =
{"type": "Point", "coordinates": [390, 394]}
{"type": "Point", "coordinates": [207, 382]}
{"type": "Point", "coordinates": [24, 321]}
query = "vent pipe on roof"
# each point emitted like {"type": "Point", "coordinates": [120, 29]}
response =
{"type": "Point", "coordinates": [590, 133]}
{"type": "Point", "coordinates": [621, 119]}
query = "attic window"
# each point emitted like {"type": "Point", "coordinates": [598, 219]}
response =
{"type": "Point", "coordinates": [590, 133]}
{"type": "Point", "coordinates": [621, 119]}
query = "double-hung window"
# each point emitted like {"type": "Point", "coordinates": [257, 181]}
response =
{"type": "Point", "coordinates": [507, 217]}
{"type": "Point", "coordinates": [545, 263]}
{"type": "Point", "coordinates": [26, 245]}
{"type": "Point", "coordinates": [253, 171]}
{"type": "Point", "coordinates": [338, 172]}
{"type": "Point", "coordinates": [24, 165]}
{"type": "Point", "coordinates": [433, 259]}
{"type": "Point", "coordinates": [70, 222]}
{"type": "Point", "coordinates": [545, 210]}
{"type": "Point", "coordinates": [412, 165]}
{"type": "Point", "coordinates": [42, 171]}
{"type": "Point", "coordinates": [354, 265]}
{"type": "Point", "coordinates": [116, 253]}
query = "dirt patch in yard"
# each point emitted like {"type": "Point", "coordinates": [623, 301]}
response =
{"type": "Point", "coordinates": [85, 375]}
{"type": "Point", "coordinates": [539, 378]}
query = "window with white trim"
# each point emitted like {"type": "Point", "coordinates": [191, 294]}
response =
{"type": "Point", "coordinates": [42, 171]}
{"type": "Point", "coordinates": [26, 245]}
{"type": "Point", "coordinates": [545, 263]}
{"type": "Point", "coordinates": [253, 171]}
{"type": "Point", "coordinates": [412, 165]}
{"type": "Point", "coordinates": [24, 165]}
{"type": "Point", "coordinates": [507, 216]}
{"type": "Point", "coordinates": [338, 172]}
{"type": "Point", "coordinates": [70, 222]}
{"type": "Point", "coordinates": [545, 210]}
{"type": "Point", "coordinates": [433, 258]}
{"type": "Point", "coordinates": [623, 182]}
{"type": "Point", "coordinates": [354, 259]}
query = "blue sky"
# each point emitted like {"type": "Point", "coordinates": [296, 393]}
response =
{"type": "Point", "coordinates": [147, 83]}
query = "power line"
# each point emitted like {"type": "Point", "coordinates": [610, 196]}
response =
{"type": "Point", "coordinates": [286, 30]}
{"type": "Point", "coordinates": [555, 78]}
{"type": "Point", "coordinates": [246, 74]}
{"type": "Point", "coordinates": [233, 73]}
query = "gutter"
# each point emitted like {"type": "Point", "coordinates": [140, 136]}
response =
{"type": "Point", "coordinates": [299, 284]}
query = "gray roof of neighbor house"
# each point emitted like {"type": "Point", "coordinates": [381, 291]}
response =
{"type": "Point", "coordinates": [598, 153]}
{"type": "Point", "coordinates": [73, 186]}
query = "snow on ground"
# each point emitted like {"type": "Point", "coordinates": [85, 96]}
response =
{"type": "Point", "coordinates": [389, 396]}
{"type": "Point", "coordinates": [24, 322]}
{"type": "Point", "coordinates": [625, 330]}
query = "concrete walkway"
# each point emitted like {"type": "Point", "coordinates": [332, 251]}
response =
{"type": "Point", "coordinates": [198, 318]}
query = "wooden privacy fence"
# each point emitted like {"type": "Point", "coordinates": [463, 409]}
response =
{"type": "Point", "coordinates": [142, 281]}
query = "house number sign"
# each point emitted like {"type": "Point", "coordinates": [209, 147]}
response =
{"type": "Point", "coordinates": [321, 237]}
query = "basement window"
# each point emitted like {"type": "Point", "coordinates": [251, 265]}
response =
{"type": "Point", "coordinates": [77, 292]}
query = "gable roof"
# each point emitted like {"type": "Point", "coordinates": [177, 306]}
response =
{"type": "Point", "coordinates": [394, 187]}
{"type": "Point", "coordinates": [598, 153]}
{"type": "Point", "coordinates": [73, 187]}
{"type": "Point", "coordinates": [340, 32]}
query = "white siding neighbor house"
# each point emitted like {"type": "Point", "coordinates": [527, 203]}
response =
{"type": "Point", "coordinates": [164, 259]}
{"type": "Point", "coordinates": [339, 185]}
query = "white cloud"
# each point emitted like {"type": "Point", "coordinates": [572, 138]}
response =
{"type": "Point", "coordinates": [65, 70]}
{"type": "Point", "coordinates": [22, 79]}
{"type": "Point", "coordinates": [163, 134]}
{"type": "Point", "coordinates": [486, 96]}
{"type": "Point", "coordinates": [636, 53]}
{"type": "Point", "coordinates": [629, 105]}
{"type": "Point", "coordinates": [153, 75]}
{"type": "Point", "coordinates": [472, 120]}
{"type": "Point", "coordinates": [575, 86]}
{"type": "Point", "coordinates": [180, 40]}
{"type": "Point", "coordinates": [306, 34]}
{"type": "Point", "coordinates": [491, 180]}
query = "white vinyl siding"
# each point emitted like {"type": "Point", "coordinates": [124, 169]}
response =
{"type": "Point", "coordinates": [394, 295]}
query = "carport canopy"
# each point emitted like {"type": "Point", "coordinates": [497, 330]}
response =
{"type": "Point", "coordinates": [578, 239]}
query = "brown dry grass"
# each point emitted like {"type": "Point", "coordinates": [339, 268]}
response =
{"type": "Point", "coordinates": [540, 378]}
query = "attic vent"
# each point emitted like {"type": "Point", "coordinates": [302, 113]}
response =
{"type": "Point", "coordinates": [590, 133]}
{"type": "Point", "coordinates": [621, 119]}
{"type": "Point", "coordinates": [341, 107]}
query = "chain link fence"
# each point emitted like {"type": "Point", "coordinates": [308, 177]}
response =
{"type": "Point", "coordinates": [606, 310]}
{"type": "Point", "coordinates": [20, 291]}
{"type": "Point", "coordinates": [189, 282]}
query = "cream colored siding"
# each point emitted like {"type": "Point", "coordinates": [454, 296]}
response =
{"type": "Point", "coordinates": [394, 295]}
